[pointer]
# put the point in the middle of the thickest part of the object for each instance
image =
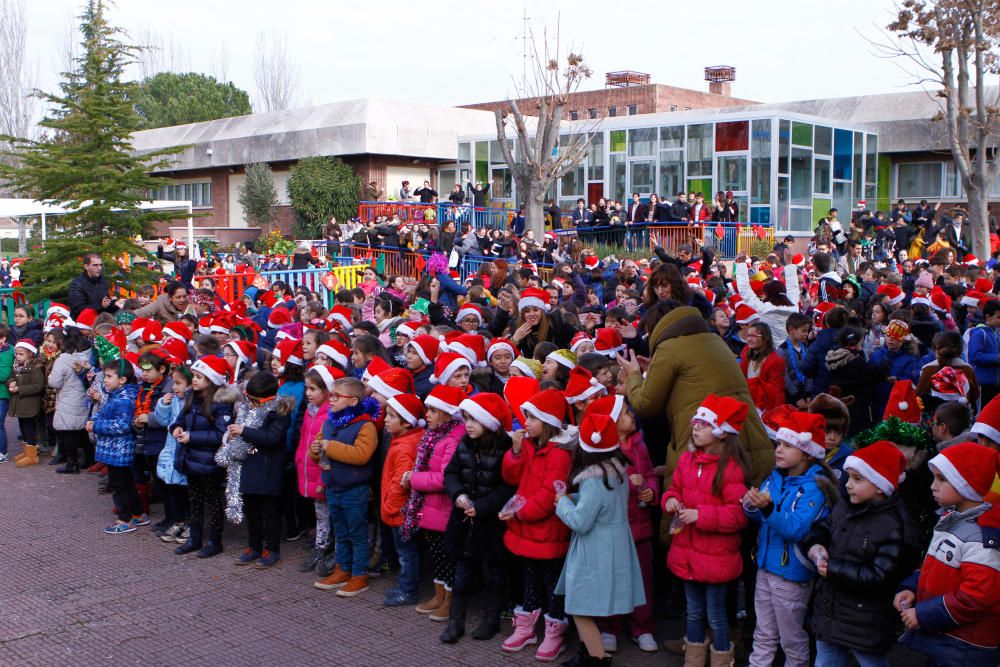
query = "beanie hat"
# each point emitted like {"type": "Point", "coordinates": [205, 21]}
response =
{"type": "Point", "coordinates": [548, 406]}
{"type": "Point", "coordinates": [516, 391]}
{"type": "Point", "coordinates": [611, 406]}
{"type": "Point", "coordinates": [968, 467]}
{"type": "Point", "coordinates": [897, 330]}
{"type": "Point", "coordinates": [563, 358]}
{"type": "Point", "coordinates": [27, 344]}
{"type": "Point", "coordinates": [409, 408]}
{"type": "Point", "coordinates": [288, 351]}
{"type": "Point", "coordinates": [446, 365]}
{"type": "Point", "coordinates": [903, 403]}
{"type": "Point", "coordinates": [834, 411]}
{"type": "Point", "coordinates": [374, 367]}
{"type": "Point", "coordinates": [988, 421]}
{"type": "Point", "coordinates": [178, 350]}
{"type": "Point", "coordinates": [608, 342]}
{"type": "Point", "coordinates": [924, 280]}
{"type": "Point", "coordinates": [745, 314]}
{"type": "Point", "coordinates": [895, 294]}
{"type": "Point", "coordinates": [598, 433]}
{"type": "Point", "coordinates": [723, 413]}
{"type": "Point", "coordinates": [804, 431]}
{"type": "Point", "coordinates": [278, 318]}
{"type": "Point", "coordinates": [773, 417]}
{"type": "Point", "coordinates": [85, 320]}
{"type": "Point", "coordinates": [471, 346]}
{"type": "Point", "coordinates": [950, 384]}
{"type": "Point", "coordinates": [470, 310]}
{"type": "Point", "coordinates": [578, 339]}
{"type": "Point", "coordinates": [392, 382]}
{"type": "Point", "coordinates": [530, 367]}
{"type": "Point", "coordinates": [215, 369]}
{"type": "Point", "coordinates": [176, 330]}
{"type": "Point", "coordinates": [446, 399]}
{"type": "Point", "coordinates": [581, 386]}
{"type": "Point", "coordinates": [882, 464]}
{"type": "Point", "coordinates": [426, 347]}
{"type": "Point", "coordinates": [533, 297]}
{"type": "Point", "coordinates": [335, 352]}
{"type": "Point", "coordinates": [498, 344]}
{"type": "Point", "coordinates": [490, 410]}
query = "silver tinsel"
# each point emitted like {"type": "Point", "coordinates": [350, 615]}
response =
{"type": "Point", "coordinates": [234, 452]}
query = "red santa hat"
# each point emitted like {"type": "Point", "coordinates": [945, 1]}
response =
{"type": "Point", "coordinates": [745, 314]}
{"type": "Point", "coordinates": [490, 410]}
{"type": "Point", "coordinates": [246, 354]}
{"type": "Point", "coordinates": [805, 431]}
{"type": "Point", "coordinates": [426, 347]}
{"type": "Point", "coordinates": [27, 344]}
{"type": "Point", "coordinates": [988, 421]}
{"type": "Point", "coordinates": [85, 320]}
{"type": "Point", "coordinates": [62, 310]}
{"type": "Point", "coordinates": [342, 315]}
{"type": "Point", "coordinates": [611, 406]}
{"type": "Point", "coordinates": [973, 299]}
{"type": "Point", "coordinates": [222, 323]}
{"type": "Point", "coordinates": [968, 467]}
{"type": "Point", "coordinates": [326, 376]}
{"type": "Point", "coordinates": [215, 369]}
{"type": "Point", "coordinates": [799, 260]}
{"type": "Point", "coordinates": [335, 351]}
{"type": "Point", "coordinates": [267, 298]}
{"type": "Point", "coordinates": [970, 260]}
{"type": "Point", "coordinates": [517, 391]}
{"type": "Point", "coordinates": [582, 385]}
{"type": "Point", "coordinates": [446, 364]}
{"type": "Point", "coordinates": [773, 417]}
{"type": "Point", "coordinates": [470, 310]}
{"type": "Point", "coordinates": [533, 297]}
{"type": "Point", "coordinates": [903, 403]}
{"type": "Point", "coordinates": [472, 346]}
{"type": "Point", "coordinates": [151, 333]}
{"type": "Point", "coordinates": [598, 433]}
{"type": "Point", "coordinates": [940, 301]}
{"type": "Point", "coordinates": [278, 318]}
{"type": "Point", "coordinates": [984, 285]}
{"type": "Point", "coordinates": [392, 382]}
{"type": "Point", "coordinates": [895, 294]}
{"type": "Point", "coordinates": [409, 329]}
{"type": "Point", "coordinates": [724, 413]}
{"type": "Point", "coordinates": [608, 342]}
{"type": "Point", "coordinates": [591, 261]}
{"type": "Point", "coordinates": [52, 323]}
{"type": "Point", "coordinates": [177, 350]}
{"type": "Point", "coordinates": [950, 384]}
{"type": "Point", "coordinates": [204, 326]}
{"type": "Point", "coordinates": [549, 406]}
{"type": "Point", "coordinates": [409, 408]}
{"type": "Point", "coordinates": [177, 330]}
{"type": "Point", "coordinates": [289, 351]}
{"type": "Point", "coordinates": [579, 338]}
{"type": "Point", "coordinates": [882, 464]}
{"type": "Point", "coordinates": [446, 399]}
{"type": "Point", "coordinates": [498, 344]}
{"type": "Point", "coordinates": [820, 311]}
{"type": "Point", "coordinates": [374, 367]}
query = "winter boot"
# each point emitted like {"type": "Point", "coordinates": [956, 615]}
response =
{"type": "Point", "coordinates": [336, 579]}
{"type": "Point", "coordinates": [554, 641]}
{"type": "Point", "coordinates": [71, 468]}
{"type": "Point", "coordinates": [24, 452]}
{"type": "Point", "coordinates": [695, 655]}
{"type": "Point", "coordinates": [490, 625]}
{"type": "Point", "coordinates": [211, 548]}
{"type": "Point", "coordinates": [430, 606]}
{"type": "Point", "coordinates": [193, 542]}
{"type": "Point", "coordinates": [524, 631]}
{"type": "Point", "coordinates": [442, 613]}
{"type": "Point", "coordinates": [456, 619]}
{"type": "Point", "coordinates": [722, 658]}
{"type": "Point", "coordinates": [30, 457]}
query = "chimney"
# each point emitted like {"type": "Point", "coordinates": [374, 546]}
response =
{"type": "Point", "coordinates": [719, 79]}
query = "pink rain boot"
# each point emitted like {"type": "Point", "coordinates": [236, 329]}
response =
{"type": "Point", "coordinates": [524, 631]}
{"type": "Point", "coordinates": [553, 644]}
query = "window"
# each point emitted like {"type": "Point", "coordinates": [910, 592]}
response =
{"type": "Point", "coordinates": [642, 173]}
{"type": "Point", "coordinates": [464, 152]}
{"type": "Point", "coordinates": [699, 154]}
{"type": "Point", "coordinates": [199, 194]}
{"type": "Point", "coordinates": [953, 182]}
{"type": "Point", "coordinates": [618, 177]}
{"type": "Point", "coordinates": [784, 141]}
{"type": "Point", "coordinates": [824, 140]}
{"type": "Point", "coordinates": [918, 179]}
{"type": "Point", "coordinates": [617, 141]}
{"type": "Point", "coordinates": [802, 177]}
{"type": "Point", "coordinates": [671, 173]}
{"type": "Point", "coordinates": [673, 107]}
{"type": "Point", "coordinates": [632, 110]}
{"type": "Point", "coordinates": [802, 134]}
{"type": "Point", "coordinates": [732, 173]}
{"type": "Point", "coordinates": [574, 115]}
{"type": "Point", "coordinates": [671, 137]}
{"type": "Point", "coordinates": [592, 113]}
{"type": "Point", "coordinates": [612, 112]}
{"type": "Point", "coordinates": [502, 187]}
{"type": "Point", "coordinates": [732, 136]}
{"type": "Point", "coordinates": [595, 161]}
{"type": "Point", "coordinates": [760, 162]}
{"type": "Point", "coordinates": [642, 141]}
{"type": "Point", "coordinates": [842, 143]}
{"type": "Point", "coordinates": [822, 176]}
{"type": "Point", "coordinates": [571, 184]}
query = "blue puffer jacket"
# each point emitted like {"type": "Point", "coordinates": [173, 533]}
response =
{"type": "Point", "coordinates": [165, 470]}
{"type": "Point", "coordinates": [902, 366]}
{"type": "Point", "coordinates": [984, 354]}
{"type": "Point", "coordinates": [798, 502]}
{"type": "Point", "coordinates": [814, 365]}
{"type": "Point", "coordinates": [113, 427]}
{"type": "Point", "coordinates": [197, 456]}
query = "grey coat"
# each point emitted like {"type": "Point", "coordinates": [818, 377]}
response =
{"type": "Point", "coordinates": [71, 392]}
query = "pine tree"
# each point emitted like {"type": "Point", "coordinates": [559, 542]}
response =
{"type": "Point", "coordinates": [85, 163]}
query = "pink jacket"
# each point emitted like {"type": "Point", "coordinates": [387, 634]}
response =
{"type": "Point", "coordinates": [307, 470]}
{"type": "Point", "coordinates": [640, 519]}
{"type": "Point", "coordinates": [437, 505]}
{"type": "Point", "coordinates": [707, 551]}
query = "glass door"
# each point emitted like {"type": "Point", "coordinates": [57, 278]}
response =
{"type": "Point", "coordinates": [732, 174]}
{"type": "Point", "coordinates": [642, 177]}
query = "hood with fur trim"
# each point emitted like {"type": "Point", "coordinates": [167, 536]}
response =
{"type": "Point", "coordinates": [228, 394]}
{"type": "Point", "coordinates": [567, 439]}
{"type": "Point", "coordinates": [598, 470]}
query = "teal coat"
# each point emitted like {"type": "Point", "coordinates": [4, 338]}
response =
{"type": "Point", "coordinates": [601, 575]}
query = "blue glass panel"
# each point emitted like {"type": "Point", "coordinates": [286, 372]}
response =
{"type": "Point", "coordinates": [843, 145]}
{"type": "Point", "coordinates": [760, 215]}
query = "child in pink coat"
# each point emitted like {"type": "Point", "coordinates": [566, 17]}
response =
{"type": "Point", "coordinates": [318, 385]}
{"type": "Point", "coordinates": [705, 502]}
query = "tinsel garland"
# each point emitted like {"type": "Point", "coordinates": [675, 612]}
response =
{"type": "Point", "coordinates": [897, 431]}
{"type": "Point", "coordinates": [234, 452]}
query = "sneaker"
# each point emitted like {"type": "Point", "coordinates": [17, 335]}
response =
{"type": "Point", "coordinates": [140, 521]}
{"type": "Point", "coordinates": [646, 642]}
{"type": "Point", "coordinates": [609, 642]}
{"type": "Point", "coordinates": [268, 559]}
{"type": "Point", "coordinates": [120, 527]}
{"type": "Point", "coordinates": [355, 586]}
{"type": "Point", "coordinates": [248, 556]}
{"type": "Point", "coordinates": [374, 573]}
{"type": "Point", "coordinates": [183, 536]}
{"type": "Point", "coordinates": [294, 534]}
{"type": "Point", "coordinates": [397, 598]}
{"type": "Point", "coordinates": [4, 458]}
{"type": "Point", "coordinates": [172, 533]}
{"type": "Point", "coordinates": [309, 564]}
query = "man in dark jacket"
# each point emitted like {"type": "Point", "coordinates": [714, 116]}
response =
{"type": "Point", "coordinates": [427, 194]}
{"type": "Point", "coordinates": [90, 289]}
{"type": "Point", "coordinates": [680, 210]}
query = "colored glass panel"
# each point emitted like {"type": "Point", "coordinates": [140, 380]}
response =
{"type": "Point", "coordinates": [823, 140]}
{"type": "Point", "coordinates": [760, 162]}
{"type": "Point", "coordinates": [802, 134]}
{"type": "Point", "coordinates": [702, 185]}
{"type": "Point", "coordinates": [842, 145]}
{"type": "Point", "coordinates": [734, 136]}
{"type": "Point", "coordinates": [618, 141]}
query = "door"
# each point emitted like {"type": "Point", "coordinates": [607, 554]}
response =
{"type": "Point", "coordinates": [595, 191]}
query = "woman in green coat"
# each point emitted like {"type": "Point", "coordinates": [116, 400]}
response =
{"type": "Point", "coordinates": [6, 364]}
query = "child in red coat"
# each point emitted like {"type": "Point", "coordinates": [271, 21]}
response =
{"type": "Point", "coordinates": [705, 500]}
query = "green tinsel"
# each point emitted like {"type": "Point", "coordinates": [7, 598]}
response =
{"type": "Point", "coordinates": [897, 431]}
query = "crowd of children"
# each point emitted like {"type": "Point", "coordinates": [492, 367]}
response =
{"type": "Point", "coordinates": [482, 435]}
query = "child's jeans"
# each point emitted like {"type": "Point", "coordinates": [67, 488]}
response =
{"type": "Point", "coordinates": [781, 608]}
{"type": "Point", "coordinates": [943, 650]}
{"type": "Point", "coordinates": [349, 516]}
{"type": "Point", "coordinates": [29, 429]}
{"type": "Point", "coordinates": [175, 502]}
{"type": "Point", "coordinates": [408, 582]}
{"type": "Point", "coordinates": [835, 655]}
{"type": "Point", "coordinates": [707, 602]}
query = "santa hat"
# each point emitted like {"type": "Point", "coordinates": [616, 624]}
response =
{"type": "Point", "coordinates": [895, 294]}
{"type": "Point", "coordinates": [446, 399]}
{"type": "Point", "coordinates": [335, 352]}
{"type": "Point", "coordinates": [392, 382]}
{"type": "Point", "coordinates": [471, 346]}
{"type": "Point", "coordinates": [177, 349]}
{"type": "Point", "coordinates": [723, 413]}
{"type": "Point", "coordinates": [151, 333]}
{"type": "Point", "coordinates": [579, 338]}
{"type": "Point", "coordinates": [882, 464]}
{"type": "Point", "coordinates": [326, 376]}
{"type": "Point", "coordinates": [246, 354]}
{"type": "Point", "coordinates": [470, 310]}
{"type": "Point", "coordinates": [446, 364]}
{"type": "Point", "coordinates": [278, 318]}
{"type": "Point", "coordinates": [940, 301]}
{"type": "Point", "coordinates": [897, 330]}
{"type": "Point", "coordinates": [799, 260]}
{"type": "Point", "coordinates": [267, 298]}
{"type": "Point", "coordinates": [563, 358]}
{"type": "Point", "coordinates": [409, 329]}
{"type": "Point", "coordinates": [490, 410]}
{"type": "Point", "coordinates": [973, 299]}
{"type": "Point", "coordinates": [374, 367]}
{"type": "Point", "coordinates": [204, 326]}
{"type": "Point", "coordinates": [27, 344]}
{"type": "Point", "coordinates": [591, 262]}
{"type": "Point", "coordinates": [222, 323]}
{"type": "Point", "coordinates": [805, 431]}
{"type": "Point", "coordinates": [608, 342]}
{"type": "Point", "coordinates": [289, 351]}
{"type": "Point", "coordinates": [549, 406]}
{"type": "Point", "coordinates": [582, 385]}
{"type": "Point", "coordinates": [820, 311]}
{"type": "Point", "coordinates": [772, 418]}
{"type": "Point", "coordinates": [52, 323]}
{"type": "Point", "coordinates": [85, 320]}
{"type": "Point", "coordinates": [950, 384]}
{"type": "Point", "coordinates": [970, 260]}
{"type": "Point", "coordinates": [59, 309]}
{"type": "Point", "coordinates": [920, 299]}
{"type": "Point", "coordinates": [611, 406]}
{"type": "Point", "coordinates": [529, 367]}
{"type": "Point", "coordinates": [988, 421]}
{"type": "Point", "coordinates": [903, 403]}
{"type": "Point", "coordinates": [177, 330]}
{"type": "Point", "coordinates": [426, 347]}
{"type": "Point", "coordinates": [498, 344]}
{"type": "Point", "coordinates": [180, 245]}
{"type": "Point", "coordinates": [215, 369]}
{"type": "Point", "coordinates": [984, 285]}
{"type": "Point", "coordinates": [409, 408]}
{"type": "Point", "coordinates": [342, 315]}
{"type": "Point", "coordinates": [745, 314]}
{"type": "Point", "coordinates": [968, 467]}
{"type": "Point", "coordinates": [533, 297]}
{"type": "Point", "coordinates": [598, 433]}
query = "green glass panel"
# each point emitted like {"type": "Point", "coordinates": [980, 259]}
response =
{"type": "Point", "coordinates": [618, 141]}
{"type": "Point", "coordinates": [702, 185]}
{"type": "Point", "coordinates": [802, 134]}
{"type": "Point", "coordinates": [482, 150]}
{"type": "Point", "coordinates": [884, 173]}
{"type": "Point", "coordinates": [821, 206]}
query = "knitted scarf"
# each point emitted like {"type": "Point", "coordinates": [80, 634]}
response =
{"type": "Point", "coordinates": [412, 508]}
{"type": "Point", "coordinates": [234, 452]}
{"type": "Point", "coordinates": [367, 406]}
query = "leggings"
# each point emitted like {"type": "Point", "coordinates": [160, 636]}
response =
{"type": "Point", "coordinates": [322, 524]}
{"type": "Point", "coordinates": [73, 442]}
{"type": "Point", "coordinates": [205, 493]}
{"type": "Point", "coordinates": [466, 570]}
{"type": "Point", "coordinates": [123, 492]}
{"type": "Point", "coordinates": [540, 577]}
{"type": "Point", "coordinates": [29, 430]}
{"type": "Point", "coordinates": [442, 561]}
{"type": "Point", "coordinates": [263, 514]}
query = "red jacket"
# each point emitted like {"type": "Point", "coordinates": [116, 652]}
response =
{"type": "Point", "coordinates": [398, 460]}
{"type": "Point", "coordinates": [708, 550]}
{"type": "Point", "coordinates": [702, 214]}
{"type": "Point", "coordinates": [768, 388]}
{"type": "Point", "coordinates": [640, 519]}
{"type": "Point", "coordinates": [536, 531]}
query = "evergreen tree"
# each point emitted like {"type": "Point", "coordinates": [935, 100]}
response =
{"type": "Point", "coordinates": [320, 187]}
{"type": "Point", "coordinates": [176, 99]}
{"type": "Point", "coordinates": [258, 196]}
{"type": "Point", "coordinates": [85, 163]}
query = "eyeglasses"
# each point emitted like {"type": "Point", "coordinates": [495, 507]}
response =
{"type": "Point", "coordinates": [340, 396]}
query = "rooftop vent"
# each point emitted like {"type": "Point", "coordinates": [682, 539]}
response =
{"type": "Point", "coordinates": [625, 79]}
{"type": "Point", "coordinates": [719, 78]}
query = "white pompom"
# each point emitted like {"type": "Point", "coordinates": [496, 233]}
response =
{"type": "Point", "coordinates": [902, 477]}
{"type": "Point", "coordinates": [804, 438]}
{"type": "Point", "coordinates": [421, 423]}
{"type": "Point", "coordinates": [595, 438]}
{"type": "Point", "coordinates": [903, 405]}
{"type": "Point", "coordinates": [594, 382]}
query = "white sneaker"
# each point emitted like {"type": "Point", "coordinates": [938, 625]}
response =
{"type": "Point", "coordinates": [3, 458]}
{"type": "Point", "coordinates": [609, 642]}
{"type": "Point", "coordinates": [646, 643]}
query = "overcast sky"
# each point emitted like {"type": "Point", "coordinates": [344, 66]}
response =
{"type": "Point", "coordinates": [461, 52]}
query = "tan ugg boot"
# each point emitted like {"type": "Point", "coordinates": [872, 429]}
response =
{"type": "Point", "coordinates": [430, 606]}
{"type": "Point", "coordinates": [723, 658]}
{"type": "Point", "coordinates": [695, 655]}
{"type": "Point", "coordinates": [30, 457]}
{"type": "Point", "coordinates": [443, 612]}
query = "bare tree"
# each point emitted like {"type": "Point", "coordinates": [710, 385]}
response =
{"type": "Point", "coordinates": [69, 44]}
{"type": "Point", "coordinates": [541, 158]}
{"type": "Point", "coordinates": [275, 76]}
{"type": "Point", "coordinates": [955, 44]}
{"type": "Point", "coordinates": [158, 53]}
{"type": "Point", "coordinates": [220, 63]}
